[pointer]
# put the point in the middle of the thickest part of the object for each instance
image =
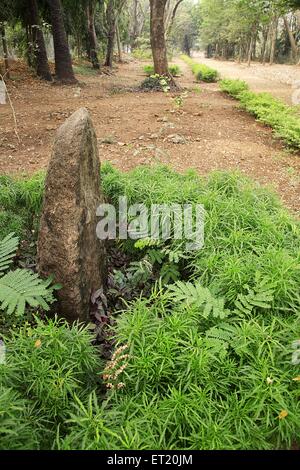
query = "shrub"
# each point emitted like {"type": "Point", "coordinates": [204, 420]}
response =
{"type": "Point", "coordinates": [233, 87]}
{"type": "Point", "coordinates": [173, 69]}
{"type": "Point", "coordinates": [283, 119]}
{"type": "Point", "coordinates": [195, 381]}
{"type": "Point", "coordinates": [156, 83]}
{"type": "Point", "coordinates": [142, 54]}
{"type": "Point", "coordinates": [202, 72]}
{"type": "Point", "coordinates": [46, 365]}
{"type": "Point", "coordinates": [11, 222]}
{"type": "Point", "coordinates": [20, 425]}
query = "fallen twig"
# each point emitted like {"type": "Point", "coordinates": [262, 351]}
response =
{"type": "Point", "coordinates": [12, 107]}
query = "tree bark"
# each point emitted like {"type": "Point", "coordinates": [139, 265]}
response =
{"type": "Point", "coordinates": [92, 38]}
{"type": "Point", "coordinates": [39, 49]}
{"type": "Point", "coordinates": [5, 50]}
{"type": "Point", "coordinates": [250, 49]}
{"type": "Point", "coordinates": [119, 43]}
{"type": "Point", "coordinates": [291, 38]}
{"type": "Point", "coordinates": [111, 22]}
{"type": "Point", "coordinates": [264, 45]}
{"type": "Point", "coordinates": [273, 40]}
{"type": "Point", "coordinates": [63, 62]}
{"type": "Point", "coordinates": [157, 32]}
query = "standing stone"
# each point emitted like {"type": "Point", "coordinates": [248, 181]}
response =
{"type": "Point", "coordinates": [68, 247]}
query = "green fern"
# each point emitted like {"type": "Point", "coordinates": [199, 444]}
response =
{"type": "Point", "coordinates": [20, 288]}
{"type": "Point", "coordinates": [258, 298]}
{"type": "Point", "coordinates": [8, 248]}
{"type": "Point", "coordinates": [219, 338]}
{"type": "Point", "coordinates": [195, 294]}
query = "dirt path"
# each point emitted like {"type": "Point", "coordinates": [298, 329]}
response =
{"type": "Point", "coordinates": [280, 80]}
{"type": "Point", "coordinates": [208, 132]}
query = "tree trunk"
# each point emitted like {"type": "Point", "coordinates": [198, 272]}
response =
{"type": "Point", "coordinates": [250, 50]}
{"type": "Point", "coordinates": [92, 38]}
{"type": "Point", "coordinates": [5, 50]}
{"type": "Point", "coordinates": [39, 49]}
{"type": "Point", "coordinates": [119, 43]}
{"type": "Point", "coordinates": [273, 41]}
{"type": "Point", "coordinates": [135, 29]}
{"type": "Point", "coordinates": [291, 38]}
{"type": "Point", "coordinates": [264, 45]}
{"type": "Point", "coordinates": [157, 32]}
{"type": "Point", "coordinates": [63, 62]}
{"type": "Point", "coordinates": [111, 21]}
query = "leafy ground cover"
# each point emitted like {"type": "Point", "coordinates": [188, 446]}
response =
{"type": "Point", "coordinates": [204, 357]}
{"type": "Point", "coordinates": [201, 71]}
{"type": "Point", "coordinates": [283, 119]}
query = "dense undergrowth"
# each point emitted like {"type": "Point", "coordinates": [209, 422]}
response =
{"type": "Point", "coordinates": [208, 360]}
{"type": "Point", "coordinates": [201, 71]}
{"type": "Point", "coordinates": [282, 118]}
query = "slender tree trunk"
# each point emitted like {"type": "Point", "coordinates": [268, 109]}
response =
{"type": "Point", "coordinates": [92, 38]}
{"type": "Point", "coordinates": [134, 33]}
{"type": "Point", "coordinates": [273, 40]}
{"type": "Point", "coordinates": [264, 45]}
{"type": "Point", "coordinates": [250, 50]}
{"type": "Point", "coordinates": [240, 57]}
{"type": "Point", "coordinates": [63, 62]}
{"type": "Point", "coordinates": [39, 49]}
{"type": "Point", "coordinates": [111, 21]}
{"type": "Point", "coordinates": [119, 43]}
{"type": "Point", "coordinates": [291, 38]}
{"type": "Point", "coordinates": [157, 32]}
{"type": "Point", "coordinates": [5, 50]}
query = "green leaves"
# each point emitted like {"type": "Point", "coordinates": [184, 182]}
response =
{"type": "Point", "coordinates": [20, 288]}
{"type": "Point", "coordinates": [267, 109]}
{"type": "Point", "coordinates": [8, 248]}
{"type": "Point", "coordinates": [202, 72]}
{"type": "Point", "coordinates": [198, 296]}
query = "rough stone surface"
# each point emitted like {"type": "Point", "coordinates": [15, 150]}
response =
{"type": "Point", "coordinates": [68, 247]}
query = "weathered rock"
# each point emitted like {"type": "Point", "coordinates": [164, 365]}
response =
{"type": "Point", "coordinates": [68, 247]}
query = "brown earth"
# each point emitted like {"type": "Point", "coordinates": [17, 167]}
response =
{"type": "Point", "coordinates": [208, 132]}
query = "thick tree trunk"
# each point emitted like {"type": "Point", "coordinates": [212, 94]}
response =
{"type": "Point", "coordinates": [273, 40]}
{"type": "Point", "coordinates": [111, 22]}
{"type": "Point", "coordinates": [63, 62]}
{"type": "Point", "coordinates": [92, 38]}
{"type": "Point", "coordinates": [291, 38]}
{"type": "Point", "coordinates": [39, 50]}
{"type": "Point", "coordinates": [157, 32]}
{"type": "Point", "coordinates": [5, 50]}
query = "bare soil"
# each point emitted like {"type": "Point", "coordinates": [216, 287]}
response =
{"type": "Point", "coordinates": [208, 132]}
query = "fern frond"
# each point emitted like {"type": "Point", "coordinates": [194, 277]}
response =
{"type": "Point", "coordinates": [195, 294]}
{"type": "Point", "coordinates": [260, 297]}
{"type": "Point", "coordinates": [8, 248]}
{"type": "Point", "coordinates": [21, 287]}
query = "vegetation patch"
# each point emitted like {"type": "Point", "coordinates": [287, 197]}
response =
{"type": "Point", "coordinates": [202, 72]}
{"type": "Point", "coordinates": [205, 355]}
{"type": "Point", "coordinates": [283, 119]}
{"type": "Point", "coordinates": [173, 70]}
